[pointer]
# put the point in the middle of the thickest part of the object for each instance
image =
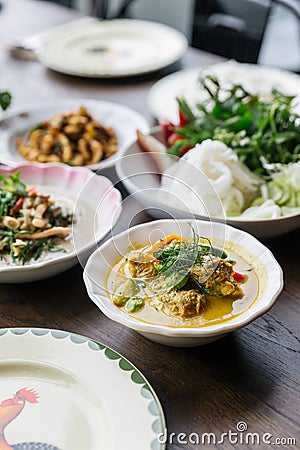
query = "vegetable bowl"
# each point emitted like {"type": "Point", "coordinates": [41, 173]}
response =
{"type": "Point", "coordinates": [183, 282]}
{"type": "Point", "coordinates": [51, 216]}
{"type": "Point", "coordinates": [151, 176]}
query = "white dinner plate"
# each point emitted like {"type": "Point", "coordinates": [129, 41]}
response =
{"type": "Point", "coordinates": [71, 393]}
{"type": "Point", "coordinates": [112, 48]}
{"type": "Point", "coordinates": [161, 98]}
{"type": "Point", "coordinates": [125, 121]}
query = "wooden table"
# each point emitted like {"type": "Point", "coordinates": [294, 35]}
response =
{"type": "Point", "coordinates": [251, 375]}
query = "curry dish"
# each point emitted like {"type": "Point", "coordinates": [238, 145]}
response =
{"type": "Point", "coordinates": [178, 281]}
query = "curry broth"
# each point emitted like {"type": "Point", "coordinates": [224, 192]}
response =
{"type": "Point", "coordinates": [217, 309]}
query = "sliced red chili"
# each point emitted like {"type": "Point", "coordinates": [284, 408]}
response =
{"type": "Point", "coordinates": [17, 207]}
{"type": "Point", "coordinates": [183, 120]}
{"type": "Point", "coordinates": [238, 277]}
{"type": "Point", "coordinates": [32, 191]}
{"type": "Point", "coordinates": [167, 129]}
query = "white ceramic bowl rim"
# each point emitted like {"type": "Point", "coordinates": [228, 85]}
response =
{"type": "Point", "coordinates": [275, 287]}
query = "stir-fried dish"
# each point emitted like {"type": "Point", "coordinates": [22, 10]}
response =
{"type": "Point", "coordinates": [73, 138]}
{"type": "Point", "coordinates": [180, 278]}
{"type": "Point", "coordinates": [30, 223]}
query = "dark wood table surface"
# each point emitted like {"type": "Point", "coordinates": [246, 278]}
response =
{"type": "Point", "coordinates": [251, 376]}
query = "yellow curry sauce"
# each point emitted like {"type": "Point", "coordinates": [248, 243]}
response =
{"type": "Point", "coordinates": [189, 304]}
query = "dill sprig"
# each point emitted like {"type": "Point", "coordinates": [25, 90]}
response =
{"type": "Point", "coordinates": [176, 260]}
{"type": "Point", "coordinates": [185, 254]}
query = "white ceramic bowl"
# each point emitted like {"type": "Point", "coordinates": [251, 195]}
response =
{"type": "Point", "coordinates": [138, 173]}
{"type": "Point", "coordinates": [101, 261]}
{"type": "Point", "coordinates": [87, 193]}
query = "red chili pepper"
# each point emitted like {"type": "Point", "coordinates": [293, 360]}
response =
{"type": "Point", "coordinates": [238, 277]}
{"type": "Point", "coordinates": [183, 120]}
{"type": "Point", "coordinates": [174, 137]}
{"type": "Point", "coordinates": [17, 207]}
{"type": "Point", "coordinates": [177, 137]}
{"type": "Point", "coordinates": [167, 129]}
{"type": "Point", "coordinates": [186, 149]}
{"type": "Point", "coordinates": [32, 191]}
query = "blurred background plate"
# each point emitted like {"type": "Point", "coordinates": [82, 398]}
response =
{"type": "Point", "coordinates": [112, 48]}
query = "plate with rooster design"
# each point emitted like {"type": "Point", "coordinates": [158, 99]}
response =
{"type": "Point", "coordinates": [62, 391]}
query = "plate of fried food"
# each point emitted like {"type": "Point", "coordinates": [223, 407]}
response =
{"type": "Point", "coordinates": [77, 132]}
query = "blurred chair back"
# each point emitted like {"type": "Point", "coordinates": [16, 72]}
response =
{"type": "Point", "coordinates": [231, 28]}
{"type": "Point", "coordinates": [68, 3]}
{"type": "Point", "coordinates": [235, 28]}
{"type": "Point", "coordinates": [111, 9]}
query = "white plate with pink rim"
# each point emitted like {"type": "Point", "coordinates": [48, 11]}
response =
{"type": "Point", "coordinates": [92, 200]}
{"type": "Point", "coordinates": [63, 391]}
{"type": "Point", "coordinates": [17, 125]}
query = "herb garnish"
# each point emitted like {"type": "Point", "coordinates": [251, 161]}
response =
{"type": "Point", "coordinates": [176, 260]}
{"type": "Point", "coordinates": [13, 189]}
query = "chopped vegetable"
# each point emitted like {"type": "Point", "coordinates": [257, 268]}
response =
{"type": "Point", "coordinates": [134, 304]}
{"type": "Point", "coordinates": [155, 149]}
{"type": "Point", "coordinates": [130, 288]}
{"type": "Point", "coordinates": [280, 196]}
{"type": "Point", "coordinates": [119, 300]}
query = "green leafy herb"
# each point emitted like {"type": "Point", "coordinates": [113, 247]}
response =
{"type": "Point", "coordinates": [11, 191]}
{"type": "Point", "coordinates": [5, 100]}
{"type": "Point", "coordinates": [23, 251]}
{"type": "Point", "coordinates": [182, 255]}
{"type": "Point", "coordinates": [36, 127]}
{"type": "Point", "coordinates": [258, 130]}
